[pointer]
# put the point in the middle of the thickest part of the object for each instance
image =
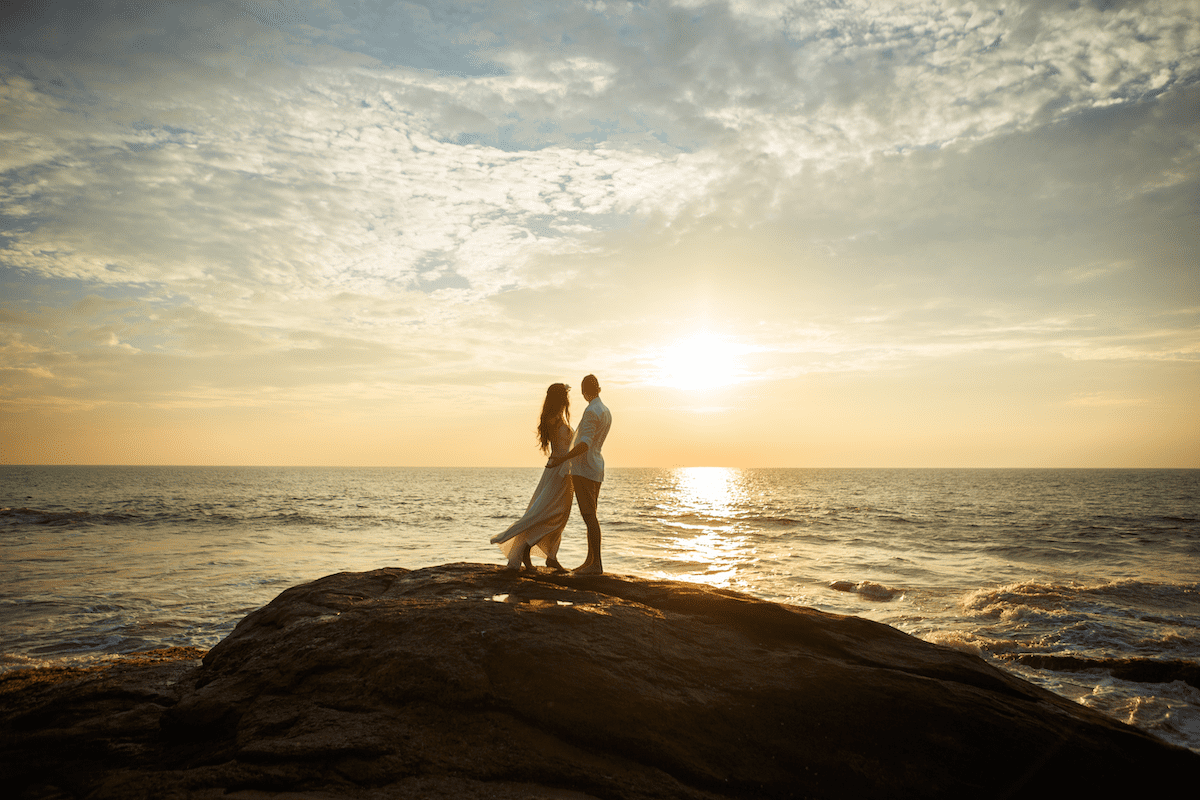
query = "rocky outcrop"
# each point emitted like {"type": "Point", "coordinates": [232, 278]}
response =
{"type": "Point", "coordinates": [464, 681]}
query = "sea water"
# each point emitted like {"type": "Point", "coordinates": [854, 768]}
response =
{"type": "Point", "coordinates": [1086, 582]}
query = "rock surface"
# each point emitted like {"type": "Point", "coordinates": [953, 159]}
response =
{"type": "Point", "coordinates": [463, 681]}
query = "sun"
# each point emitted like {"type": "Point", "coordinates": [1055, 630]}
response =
{"type": "Point", "coordinates": [700, 361]}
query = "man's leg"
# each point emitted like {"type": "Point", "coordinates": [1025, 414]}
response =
{"type": "Point", "coordinates": [593, 565]}
{"type": "Point", "coordinates": [587, 495]}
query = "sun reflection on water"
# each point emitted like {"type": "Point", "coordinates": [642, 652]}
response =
{"type": "Point", "coordinates": [701, 534]}
{"type": "Point", "coordinates": [712, 490]}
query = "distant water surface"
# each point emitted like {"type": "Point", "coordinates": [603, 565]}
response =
{"type": "Point", "coordinates": [1086, 582]}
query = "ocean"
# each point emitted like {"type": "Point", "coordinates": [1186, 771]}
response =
{"type": "Point", "coordinates": [1086, 582]}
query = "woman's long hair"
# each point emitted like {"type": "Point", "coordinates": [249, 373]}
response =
{"type": "Point", "coordinates": [556, 410]}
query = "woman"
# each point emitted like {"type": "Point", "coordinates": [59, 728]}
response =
{"type": "Point", "coordinates": [550, 506]}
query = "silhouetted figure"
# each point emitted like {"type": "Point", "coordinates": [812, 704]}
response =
{"type": "Point", "coordinates": [587, 470]}
{"type": "Point", "coordinates": [546, 515]}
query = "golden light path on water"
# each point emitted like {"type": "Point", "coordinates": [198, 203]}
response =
{"type": "Point", "coordinates": [701, 525]}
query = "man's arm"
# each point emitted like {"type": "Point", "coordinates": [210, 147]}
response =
{"type": "Point", "coordinates": [578, 449]}
{"type": "Point", "coordinates": [587, 429]}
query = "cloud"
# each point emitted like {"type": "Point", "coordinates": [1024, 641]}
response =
{"type": "Point", "coordinates": [210, 201]}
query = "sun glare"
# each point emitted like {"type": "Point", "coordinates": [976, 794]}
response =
{"type": "Point", "coordinates": [701, 361]}
{"type": "Point", "coordinates": [713, 490]}
{"type": "Point", "coordinates": [701, 534]}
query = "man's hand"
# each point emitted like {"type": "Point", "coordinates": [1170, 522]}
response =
{"type": "Point", "coordinates": [554, 461]}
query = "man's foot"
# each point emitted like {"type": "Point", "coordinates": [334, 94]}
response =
{"type": "Point", "coordinates": [553, 564]}
{"type": "Point", "coordinates": [589, 569]}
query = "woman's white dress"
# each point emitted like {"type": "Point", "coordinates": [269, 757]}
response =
{"type": "Point", "coordinates": [548, 510]}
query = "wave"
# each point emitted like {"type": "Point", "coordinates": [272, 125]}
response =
{"type": "Point", "coordinates": [869, 589]}
{"type": "Point", "coordinates": [1037, 597]}
{"type": "Point", "coordinates": [34, 516]}
{"type": "Point", "coordinates": [191, 517]}
{"type": "Point", "coordinates": [16, 517]}
{"type": "Point", "coordinates": [1185, 520]}
{"type": "Point", "coordinates": [768, 520]}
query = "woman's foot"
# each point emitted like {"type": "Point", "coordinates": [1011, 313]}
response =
{"type": "Point", "coordinates": [553, 564]}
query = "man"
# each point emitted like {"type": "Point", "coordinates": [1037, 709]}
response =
{"type": "Point", "coordinates": [587, 473]}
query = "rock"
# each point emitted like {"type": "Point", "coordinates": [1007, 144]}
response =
{"type": "Point", "coordinates": [464, 681]}
{"type": "Point", "coordinates": [1126, 669]}
{"type": "Point", "coordinates": [62, 729]}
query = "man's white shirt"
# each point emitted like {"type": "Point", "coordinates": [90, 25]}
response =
{"type": "Point", "coordinates": [593, 428]}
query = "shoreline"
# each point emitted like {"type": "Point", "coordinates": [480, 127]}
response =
{"type": "Point", "coordinates": [20, 679]}
{"type": "Point", "coordinates": [438, 681]}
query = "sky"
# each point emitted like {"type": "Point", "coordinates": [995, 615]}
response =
{"type": "Point", "coordinates": [909, 233]}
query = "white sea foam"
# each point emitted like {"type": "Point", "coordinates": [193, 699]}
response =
{"type": "Point", "coordinates": [959, 640]}
{"type": "Point", "coordinates": [1169, 710]}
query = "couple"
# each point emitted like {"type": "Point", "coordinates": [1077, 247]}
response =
{"type": "Point", "coordinates": [578, 471]}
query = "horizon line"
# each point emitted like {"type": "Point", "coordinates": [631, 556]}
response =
{"type": "Point", "coordinates": [609, 469]}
